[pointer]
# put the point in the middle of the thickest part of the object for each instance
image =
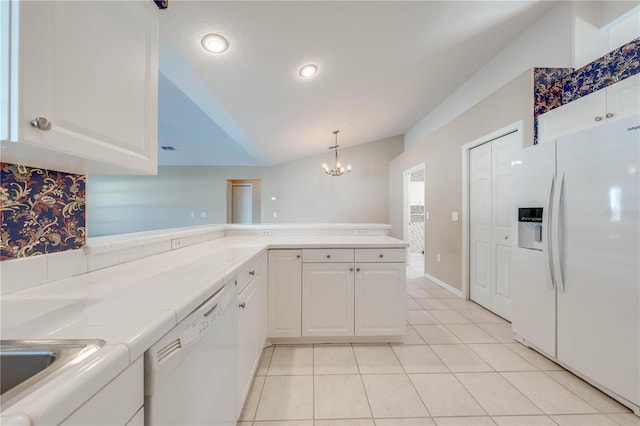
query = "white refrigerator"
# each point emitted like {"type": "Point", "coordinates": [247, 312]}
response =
{"type": "Point", "coordinates": [576, 257]}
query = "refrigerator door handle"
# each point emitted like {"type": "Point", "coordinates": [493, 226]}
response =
{"type": "Point", "coordinates": [557, 233]}
{"type": "Point", "coordinates": [549, 268]}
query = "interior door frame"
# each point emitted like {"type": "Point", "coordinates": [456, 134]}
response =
{"type": "Point", "coordinates": [466, 148]}
{"type": "Point", "coordinates": [233, 185]}
{"type": "Point", "coordinates": [405, 203]}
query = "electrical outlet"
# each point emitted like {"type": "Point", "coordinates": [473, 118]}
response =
{"type": "Point", "coordinates": [275, 214]}
{"type": "Point", "coordinates": [265, 232]}
{"type": "Point", "coordinates": [426, 215]}
{"type": "Point", "coordinates": [176, 243]}
{"type": "Point", "coordinates": [360, 232]}
{"type": "Point", "coordinates": [203, 214]}
{"type": "Point", "coordinates": [454, 216]}
{"type": "Point", "coordinates": [438, 257]}
{"type": "Point", "coordinates": [193, 214]}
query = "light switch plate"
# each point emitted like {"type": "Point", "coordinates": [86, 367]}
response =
{"type": "Point", "coordinates": [176, 243]}
{"type": "Point", "coordinates": [454, 216]}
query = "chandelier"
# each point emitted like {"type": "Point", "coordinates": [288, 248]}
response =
{"type": "Point", "coordinates": [338, 170]}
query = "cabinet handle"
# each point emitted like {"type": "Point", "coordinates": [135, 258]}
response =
{"type": "Point", "coordinates": [381, 255]}
{"type": "Point", "coordinates": [242, 305]}
{"type": "Point", "coordinates": [357, 269]}
{"type": "Point", "coordinates": [252, 273]}
{"type": "Point", "coordinates": [350, 269]}
{"type": "Point", "coordinates": [297, 256]}
{"type": "Point", "coordinates": [598, 118]}
{"type": "Point", "coordinates": [41, 123]}
{"type": "Point", "coordinates": [609, 115]}
{"type": "Point", "coordinates": [506, 237]}
{"type": "Point", "coordinates": [235, 282]}
{"type": "Point", "coordinates": [328, 256]}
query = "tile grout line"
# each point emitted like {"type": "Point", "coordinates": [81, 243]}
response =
{"type": "Point", "coordinates": [546, 373]}
{"type": "Point", "coordinates": [366, 394]}
{"type": "Point", "coordinates": [313, 383]}
{"type": "Point", "coordinates": [263, 384]}
{"type": "Point", "coordinates": [424, 404]}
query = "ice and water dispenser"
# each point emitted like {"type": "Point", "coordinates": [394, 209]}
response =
{"type": "Point", "coordinates": [530, 228]}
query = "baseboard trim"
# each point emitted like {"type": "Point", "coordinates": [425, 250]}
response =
{"type": "Point", "coordinates": [444, 285]}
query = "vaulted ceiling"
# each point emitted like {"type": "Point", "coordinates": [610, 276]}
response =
{"type": "Point", "coordinates": [383, 65]}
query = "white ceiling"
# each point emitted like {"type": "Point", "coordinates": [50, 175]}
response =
{"type": "Point", "coordinates": [383, 66]}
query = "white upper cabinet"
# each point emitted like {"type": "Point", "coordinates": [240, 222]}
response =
{"type": "Point", "coordinates": [612, 103]}
{"type": "Point", "coordinates": [82, 85]}
{"type": "Point", "coordinates": [623, 98]}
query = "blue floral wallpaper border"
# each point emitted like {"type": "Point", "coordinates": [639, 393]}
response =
{"type": "Point", "coordinates": [605, 71]}
{"type": "Point", "coordinates": [41, 211]}
{"type": "Point", "coordinates": [554, 87]}
{"type": "Point", "coordinates": [547, 91]}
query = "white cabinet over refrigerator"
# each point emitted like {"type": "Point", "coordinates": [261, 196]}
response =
{"type": "Point", "coordinates": [575, 263]}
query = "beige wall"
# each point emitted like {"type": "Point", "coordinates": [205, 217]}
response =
{"type": "Point", "coordinates": [442, 154]}
{"type": "Point", "coordinates": [305, 194]}
{"type": "Point", "coordinates": [122, 204]}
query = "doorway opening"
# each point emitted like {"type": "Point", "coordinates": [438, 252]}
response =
{"type": "Point", "coordinates": [414, 216]}
{"type": "Point", "coordinates": [243, 201]}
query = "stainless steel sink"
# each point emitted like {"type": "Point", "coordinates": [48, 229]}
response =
{"type": "Point", "coordinates": [25, 364]}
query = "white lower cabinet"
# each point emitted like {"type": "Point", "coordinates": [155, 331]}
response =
{"type": "Point", "coordinates": [320, 298]}
{"type": "Point", "coordinates": [251, 336]}
{"type": "Point", "coordinates": [380, 306]}
{"type": "Point", "coordinates": [327, 299]}
{"type": "Point", "coordinates": [284, 293]}
{"type": "Point", "coordinates": [118, 403]}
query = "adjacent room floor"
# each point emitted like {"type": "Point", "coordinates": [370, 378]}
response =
{"type": "Point", "coordinates": [458, 365]}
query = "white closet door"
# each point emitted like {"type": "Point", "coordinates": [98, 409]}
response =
{"type": "Point", "coordinates": [480, 224]}
{"type": "Point", "coordinates": [490, 224]}
{"type": "Point", "coordinates": [501, 224]}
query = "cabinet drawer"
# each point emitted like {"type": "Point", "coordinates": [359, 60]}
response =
{"type": "Point", "coordinates": [327, 255]}
{"type": "Point", "coordinates": [251, 270]}
{"type": "Point", "coordinates": [381, 255]}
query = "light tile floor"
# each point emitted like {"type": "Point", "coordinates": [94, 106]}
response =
{"type": "Point", "coordinates": [458, 365]}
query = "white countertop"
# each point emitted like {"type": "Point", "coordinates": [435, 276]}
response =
{"type": "Point", "coordinates": [134, 304]}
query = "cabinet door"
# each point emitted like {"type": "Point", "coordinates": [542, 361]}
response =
{"type": "Point", "coordinates": [284, 293]}
{"type": "Point", "coordinates": [580, 114]}
{"type": "Point", "coordinates": [623, 98]}
{"type": "Point", "coordinates": [116, 403]}
{"type": "Point", "coordinates": [91, 69]}
{"type": "Point", "coordinates": [380, 292]}
{"type": "Point", "coordinates": [248, 316]}
{"type": "Point", "coordinates": [261, 301]}
{"type": "Point", "coordinates": [327, 299]}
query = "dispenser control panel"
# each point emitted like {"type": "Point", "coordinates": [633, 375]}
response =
{"type": "Point", "coordinates": [530, 214]}
{"type": "Point", "coordinates": [530, 228]}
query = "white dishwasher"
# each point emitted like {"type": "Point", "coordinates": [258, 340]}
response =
{"type": "Point", "coordinates": [190, 374]}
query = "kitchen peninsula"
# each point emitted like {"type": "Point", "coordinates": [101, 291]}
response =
{"type": "Point", "coordinates": [133, 294]}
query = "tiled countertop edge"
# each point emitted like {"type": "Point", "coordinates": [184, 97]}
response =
{"type": "Point", "coordinates": [103, 252]}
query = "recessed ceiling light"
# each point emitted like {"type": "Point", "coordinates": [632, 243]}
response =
{"type": "Point", "coordinates": [308, 71]}
{"type": "Point", "coordinates": [215, 43]}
